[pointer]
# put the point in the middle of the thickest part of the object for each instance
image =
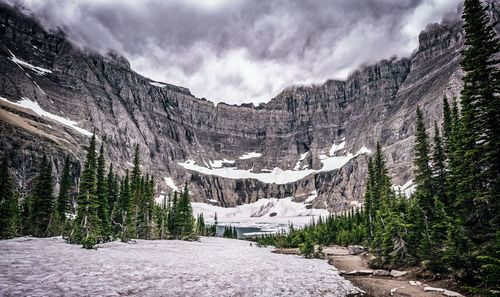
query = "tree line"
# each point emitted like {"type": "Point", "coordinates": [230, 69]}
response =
{"type": "Point", "coordinates": [450, 224]}
{"type": "Point", "coordinates": [108, 206]}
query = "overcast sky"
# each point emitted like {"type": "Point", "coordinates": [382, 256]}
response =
{"type": "Point", "coordinates": [239, 51]}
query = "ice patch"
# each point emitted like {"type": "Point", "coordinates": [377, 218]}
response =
{"type": "Point", "coordinates": [273, 214]}
{"type": "Point", "coordinates": [336, 147]}
{"type": "Point", "coordinates": [26, 103]}
{"type": "Point", "coordinates": [38, 70]}
{"type": "Point", "coordinates": [171, 184]}
{"type": "Point", "coordinates": [407, 189]}
{"type": "Point", "coordinates": [302, 157]}
{"type": "Point", "coordinates": [157, 84]}
{"type": "Point", "coordinates": [219, 163]}
{"type": "Point", "coordinates": [250, 156]}
{"type": "Point", "coordinates": [313, 195]}
{"type": "Point", "coordinates": [276, 175]}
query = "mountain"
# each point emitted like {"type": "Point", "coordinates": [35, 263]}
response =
{"type": "Point", "coordinates": [309, 142]}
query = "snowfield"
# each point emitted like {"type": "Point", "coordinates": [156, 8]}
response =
{"type": "Point", "coordinates": [29, 104]}
{"type": "Point", "coordinates": [269, 215]}
{"type": "Point", "coordinates": [276, 175]}
{"type": "Point", "coordinates": [212, 267]}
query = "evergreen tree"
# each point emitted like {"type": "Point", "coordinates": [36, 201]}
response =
{"type": "Point", "coordinates": [368, 203]}
{"type": "Point", "coordinates": [422, 171]}
{"type": "Point", "coordinates": [447, 125]}
{"type": "Point", "coordinates": [8, 203]}
{"type": "Point", "coordinates": [172, 211]}
{"type": "Point", "coordinates": [480, 101]}
{"type": "Point", "coordinates": [63, 199]}
{"type": "Point", "coordinates": [127, 228]}
{"type": "Point", "coordinates": [113, 191]}
{"type": "Point", "coordinates": [102, 194]}
{"type": "Point", "coordinates": [438, 166]}
{"type": "Point", "coordinates": [42, 200]}
{"type": "Point", "coordinates": [184, 216]}
{"type": "Point", "coordinates": [87, 227]}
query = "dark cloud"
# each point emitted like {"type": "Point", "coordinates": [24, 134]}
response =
{"type": "Point", "coordinates": [242, 50]}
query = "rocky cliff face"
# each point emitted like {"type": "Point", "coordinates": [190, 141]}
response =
{"type": "Point", "coordinates": [186, 140]}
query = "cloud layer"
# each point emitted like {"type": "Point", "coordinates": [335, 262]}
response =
{"type": "Point", "coordinates": [244, 50]}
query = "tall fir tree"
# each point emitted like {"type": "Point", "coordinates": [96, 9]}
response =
{"type": "Point", "coordinates": [422, 168]}
{"type": "Point", "coordinates": [135, 187]}
{"type": "Point", "coordinates": [113, 190]}
{"type": "Point", "coordinates": [8, 203]}
{"type": "Point", "coordinates": [127, 227]}
{"type": "Point", "coordinates": [63, 199]}
{"type": "Point", "coordinates": [172, 211]}
{"type": "Point", "coordinates": [184, 216]}
{"type": "Point", "coordinates": [439, 166]}
{"type": "Point", "coordinates": [102, 195]}
{"type": "Point", "coordinates": [369, 199]}
{"type": "Point", "coordinates": [480, 101]}
{"type": "Point", "coordinates": [42, 200]}
{"type": "Point", "coordinates": [447, 124]}
{"type": "Point", "coordinates": [87, 227]}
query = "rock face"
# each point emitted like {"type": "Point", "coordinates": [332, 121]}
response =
{"type": "Point", "coordinates": [293, 132]}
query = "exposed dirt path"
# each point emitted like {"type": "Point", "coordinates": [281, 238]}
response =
{"type": "Point", "coordinates": [376, 286]}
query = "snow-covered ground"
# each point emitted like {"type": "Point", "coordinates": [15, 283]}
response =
{"type": "Point", "coordinates": [212, 267]}
{"type": "Point", "coordinates": [266, 214]}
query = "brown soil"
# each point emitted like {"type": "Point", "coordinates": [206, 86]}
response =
{"type": "Point", "coordinates": [376, 286]}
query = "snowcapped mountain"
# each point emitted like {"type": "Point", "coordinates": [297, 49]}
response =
{"type": "Point", "coordinates": [308, 139]}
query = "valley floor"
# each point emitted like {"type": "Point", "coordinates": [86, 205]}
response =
{"type": "Point", "coordinates": [211, 267]}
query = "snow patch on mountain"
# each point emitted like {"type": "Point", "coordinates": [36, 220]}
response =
{"type": "Point", "coordinates": [157, 84]}
{"type": "Point", "coordinates": [276, 175]}
{"type": "Point", "coordinates": [171, 184]}
{"type": "Point", "coordinates": [32, 105]}
{"type": "Point", "coordinates": [36, 69]}
{"type": "Point", "coordinates": [313, 195]}
{"type": "Point", "coordinates": [271, 213]}
{"type": "Point", "coordinates": [250, 156]}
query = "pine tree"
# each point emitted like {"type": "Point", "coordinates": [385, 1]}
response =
{"type": "Point", "coordinates": [142, 211]}
{"type": "Point", "coordinates": [63, 199]}
{"type": "Point", "coordinates": [127, 228]}
{"type": "Point", "coordinates": [87, 227]}
{"type": "Point", "coordinates": [172, 211]}
{"type": "Point", "coordinates": [478, 185]}
{"type": "Point", "coordinates": [447, 125]}
{"type": "Point", "coordinates": [184, 216]}
{"type": "Point", "coordinates": [422, 171]}
{"type": "Point", "coordinates": [102, 195]}
{"type": "Point", "coordinates": [8, 203]}
{"type": "Point", "coordinates": [438, 166]}
{"type": "Point", "coordinates": [42, 200]}
{"type": "Point", "coordinates": [113, 191]}
{"type": "Point", "coordinates": [480, 100]}
{"type": "Point", "coordinates": [368, 202]}
{"type": "Point", "coordinates": [135, 187]}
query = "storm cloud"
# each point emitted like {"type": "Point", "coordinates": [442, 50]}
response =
{"type": "Point", "coordinates": [241, 50]}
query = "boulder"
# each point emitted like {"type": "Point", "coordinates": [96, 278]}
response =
{"type": "Point", "coordinates": [397, 273]}
{"type": "Point", "coordinates": [380, 272]}
{"type": "Point", "coordinates": [432, 289]}
{"type": "Point", "coordinates": [452, 294]}
{"type": "Point", "coordinates": [355, 249]}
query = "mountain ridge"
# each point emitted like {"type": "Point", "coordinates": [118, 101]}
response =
{"type": "Point", "coordinates": [375, 104]}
